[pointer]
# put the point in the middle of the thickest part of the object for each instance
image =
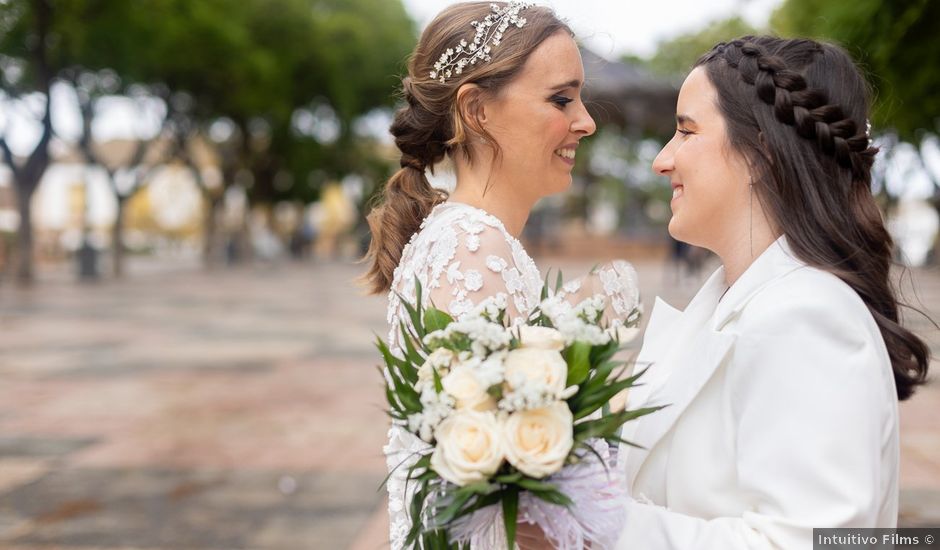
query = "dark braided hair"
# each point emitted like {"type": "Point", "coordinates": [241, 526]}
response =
{"type": "Point", "coordinates": [797, 110]}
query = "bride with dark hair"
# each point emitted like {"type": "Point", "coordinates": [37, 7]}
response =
{"type": "Point", "coordinates": [784, 373]}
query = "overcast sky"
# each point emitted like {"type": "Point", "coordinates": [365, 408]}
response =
{"type": "Point", "coordinates": [615, 27]}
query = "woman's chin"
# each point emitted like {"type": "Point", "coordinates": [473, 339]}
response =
{"type": "Point", "coordinates": [676, 231]}
{"type": "Point", "coordinates": [557, 186]}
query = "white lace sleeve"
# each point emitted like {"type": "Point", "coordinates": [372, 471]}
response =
{"type": "Point", "coordinates": [616, 281]}
{"type": "Point", "coordinates": [482, 265]}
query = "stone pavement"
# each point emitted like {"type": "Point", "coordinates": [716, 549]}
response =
{"type": "Point", "coordinates": [239, 409]}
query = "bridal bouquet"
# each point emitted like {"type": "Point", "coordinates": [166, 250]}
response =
{"type": "Point", "coordinates": [517, 422]}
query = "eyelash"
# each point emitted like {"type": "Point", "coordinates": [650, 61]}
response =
{"type": "Point", "coordinates": [561, 100]}
{"type": "Point", "coordinates": [685, 132]}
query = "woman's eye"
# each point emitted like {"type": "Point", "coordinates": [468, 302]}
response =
{"type": "Point", "coordinates": [684, 132]}
{"type": "Point", "coordinates": [561, 100]}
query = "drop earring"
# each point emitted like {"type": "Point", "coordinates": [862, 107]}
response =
{"type": "Point", "coordinates": [750, 207]}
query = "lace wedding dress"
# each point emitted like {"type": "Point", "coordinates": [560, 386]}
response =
{"type": "Point", "coordinates": [461, 255]}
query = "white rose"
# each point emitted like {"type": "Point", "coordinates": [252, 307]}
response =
{"type": "Point", "coordinates": [540, 366]}
{"type": "Point", "coordinates": [469, 447]}
{"type": "Point", "coordinates": [541, 337]}
{"type": "Point", "coordinates": [538, 441]}
{"type": "Point", "coordinates": [463, 384]}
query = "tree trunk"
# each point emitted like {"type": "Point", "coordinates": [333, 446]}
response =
{"type": "Point", "coordinates": [117, 238]}
{"type": "Point", "coordinates": [24, 270]}
{"type": "Point", "coordinates": [210, 229]}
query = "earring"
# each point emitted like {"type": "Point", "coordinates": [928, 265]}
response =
{"type": "Point", "coordinates": [750, 207]}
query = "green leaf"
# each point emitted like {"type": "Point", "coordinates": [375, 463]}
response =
{"type": "Point", "coordinates": [559, 281]}
{"type": "Point", "coordinates": [436, 319]}
{"type": "Point", "coordinates": [610, 425]}
{"type": "Point", "coordinates": [594, 452]}
{"type": "Point", "coordinates": [414, 514]}
{"type": "Point", "coordinates": [415, 315]}
{"type": "Point", "coordinates": [508, 478]}
{"type": "Point", "coordinates": [450, 512]}
{"type": "Point", "coordinates": [411, 354]}
{"type": "Point", "coordinates": [544, 293]}
{"type": "Point", "coordinates": [390, 360]}
{"type": "Point", "coordinates": [510, 512]}
{"type": "Point", "coordinates": [483, 502]}
{"type": "Point", "coordinates": [535, 485]}
{"type": "Point", "coordinates": [604, 352]}
{"type": "Point", "coordinates": [405, 392]}
{"type": "Point", "coordinates": [554, 496]}
{"type": "Point", "coordinates": [577, 356]}
{"type": "Point", "coordinates": [438, 385]}
{"type": "Point", "coordinates": [594, 400]}
{"type": "Point", "coordinates": [418, 301]}
{"type": "Point", "coordinates": [597, 390]}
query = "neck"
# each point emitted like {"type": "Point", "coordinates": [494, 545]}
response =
{"type": "Point", "coordinates": [738, 255]}
{"type": "Point", "coordinates": [493, 193]}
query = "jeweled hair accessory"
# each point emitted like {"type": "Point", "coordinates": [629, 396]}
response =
{"type": "Point", "coordinates": [489, 33]}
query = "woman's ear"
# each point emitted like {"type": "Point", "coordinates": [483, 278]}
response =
{"type": "Point", "coordinates": [470, 109]}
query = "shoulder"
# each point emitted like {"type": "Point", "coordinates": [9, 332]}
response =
{"type": "Point", "coordinates": [467, 230]}
{"type": "Point", "coordinates": [810, 316]}
{"type": "Point", "coordinates": [810, 294]}
{"type": "Point", "coordinates": [809, 336]}
{"type": "Point", "coordinates": [454, 219]}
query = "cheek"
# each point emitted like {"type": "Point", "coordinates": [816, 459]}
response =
{"type": "Point", "coordinates": [556, 130]}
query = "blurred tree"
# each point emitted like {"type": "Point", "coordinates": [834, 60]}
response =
{"type": "Point", "coordinates": [244, 68]}
{"type": "Point", "coordinates": [27, 68]}
{"type": "Point", "coordinates": [219, 72]}
{"type": "Point", "coordinates": [675, 57]}
{"type": "Point", "coordinates": [88, 44]}
{"type": "Point", "coordinates": [291, 129]}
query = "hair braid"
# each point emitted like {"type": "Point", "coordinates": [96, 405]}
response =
{"type": "Point", "coordinates": [806, 109]}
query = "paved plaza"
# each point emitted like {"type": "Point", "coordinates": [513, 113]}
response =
{"type": "Point", "coordinates": [242, 409]}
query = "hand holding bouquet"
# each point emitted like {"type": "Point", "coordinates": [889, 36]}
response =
{"type": "Point", "coordinates": [517, 421]}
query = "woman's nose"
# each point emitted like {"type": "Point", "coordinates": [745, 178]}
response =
{"type": "Point", "coordinates": [584, 124]}
{"type": "Point", "coordinates": [663, 163]}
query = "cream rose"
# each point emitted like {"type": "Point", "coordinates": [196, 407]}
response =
{"type": "Point", "coordinates": [469, 447]}
{"type": "Point", "coordinates": [535, 365]}
{"type": "Point", "coordinates": [541, 337]}
{"type": "Point", "coordinates": [538, 441]}
{"type": "Point", "coordinates": [465, 387]}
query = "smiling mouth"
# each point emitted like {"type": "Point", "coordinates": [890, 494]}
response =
{"type": "Point", "coordinates": [677, 191]}
{"type": "Point", "coordinates": [567, 154]}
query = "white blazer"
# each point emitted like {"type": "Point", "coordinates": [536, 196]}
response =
{"type": "Point", "coordinates": [782, 415]}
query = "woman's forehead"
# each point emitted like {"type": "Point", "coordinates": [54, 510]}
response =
{"type": "Point", "coordinates": [556, 61]}
{"type": "Point", "coordinates": [697, 97]}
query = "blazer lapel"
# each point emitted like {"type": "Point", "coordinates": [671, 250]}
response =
{"type": "Point", "coordinates": [685, 356]}
{"type": "Point", "coordinates": [656, 342]}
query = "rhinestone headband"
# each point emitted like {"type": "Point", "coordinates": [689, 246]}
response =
{"type": "Point", "coordinates": [489, 33]}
